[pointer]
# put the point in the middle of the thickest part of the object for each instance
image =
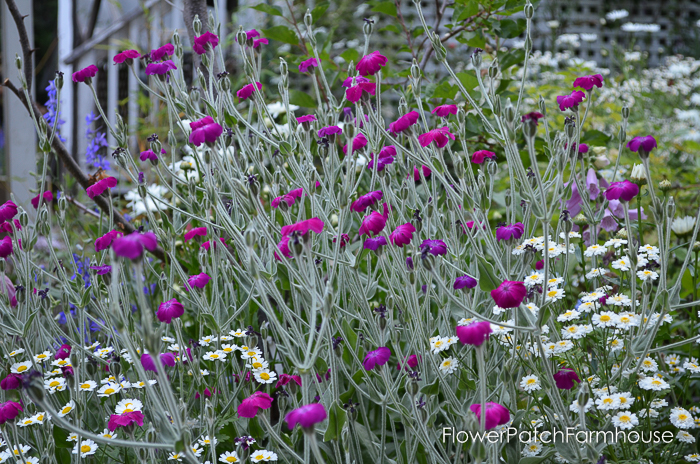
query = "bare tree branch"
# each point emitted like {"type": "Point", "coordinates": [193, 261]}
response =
{"type": "Point", "coordinates": [24, 42]}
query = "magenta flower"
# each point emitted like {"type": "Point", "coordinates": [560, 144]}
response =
{"type": "Point", "coordinates": [532, 117]}
{"type": "Point", "coordinates": [374, 243]}
{"type": "Point", "coordinates": [201, 42]}
{"type": "Point", "coordinates": [308, 119]}
{"type": "Point", "coordinates": [106, 240]}
{"type": "Point", "coordinates": [444, 111]}
{"type": "Point", "coordinates": [402, 235]}
{"type": "Point", "coordinates": [565, 378]}
{"type": "Point", "coordinates": [378, 357]}
{"type": "Point", "coordinates": [5, 246]}
{"type": "Point", "coordinates": [124, 420]}
{"type": "Point", "coordinates": [197, 231]}
{"type": "Point", "coordinates": [286, 378]}
{"type": "Point", "coordinates": [647, 144]}
{"type": "Point", "coordinates": [434, 247]}
{"type": "Point", "coordinates": [160, 53]}
{"type": "Point", "coordinates": [247, 90]}
{"type": "Point", "coordinates": [375, 222]}
{"type": "Point", "coordinates": [588, 82]}
{"type": "Point", "coordinates": [570, 101]}
{"type": "Point", "coordinates": [495, 414]}
{"type": "Point", "coordinates": [474, 334]}
{"type": "Point", "coordinates": [7, 226]}
{"type": "Point", "coordinates": [85, 74]}
{"type": "Point", "coordinates": [199, 280]}
{"type": "Point", "coordinates": [252, 34]}
{"type": "Point", "coordinates": [10, 290]}
{"type": "Point", "coordinates": [206, 245]}
{"type": "Point", "coordinates": [623, 191]}
{"type": "Point", "coordinates": [63, 352]}
{"type": "Point", "coordinates": [308, 65]}
{"type": "Point", "coordinates": [385, 158]}
{"type": "Point", "coordinates": [149, 155]}
{"type": "Point", "coordinates": [258, 42]}
{"type": "Point", "coordinates": [404, 122]}
{"type": "Point", "coordinates": [205, 130]}
{"type": "Point", "coordinates": [347, 83]}
{"type": "Point", "coordinates": [539, 265]}
{"type": "Point", "coordinates": [101, 270]}
{"type": "Point", "coordinates": [358, 143]}
{"type": "Point", "coordinates": [440, 136]}
{"type": "Point", "coordinates": [166, 359]}
{"type": "Point", "coordinates": [306, 415]}
{"type": "Point", "coordinates": [370, 64]}
{"type": "Point", "coordinates": [169, 310]}
{"type": "Point", "coordinates": [313, 224]}
{"type": "Point", "coordinates": [48, 198]}
{"type": "Point", "coordinates": [329, 131]}
{"type": "Point", "coordinates": [365, 201]}
{"type": "Point", "coordinates": [8, 210]}
{"type": "Point", "coordinates": [283, 247]}
{"type": "Point", "coordinates": [582, 148]}
{"type": "Point", "coordinates": [131, 246]}
{"type": "Point", "coordinates": [511, 231]}
{"type": "Point", "coordinates": [249, 406]}
{"type": "Point", "coordinates": [9, 410]}
{"type": "Point", "coordinates": [465, 281]}
{"type": "Point", "coordinates": [509, 294]}
{"type": "Point", "coordinates": [410, 362]}
{"type": "Point", "coordinates": [100, 186]}
{"type": "Point", "coordinates": [479, 156]}
{"type": "Point", "coordinates": [289, 199]}
{"type": "Point", "coordinates": [416, 173]}
{"type": "Point", "coordinates": [354, 93]}
{"type": "Point", "coordinates": [126, 55]}
{"type": "Point", "coordinates": [344, 239]}
{"type": "Point", "coordinates": [11, 382]}
{"type": "Point", "coordinates": [160, 69]}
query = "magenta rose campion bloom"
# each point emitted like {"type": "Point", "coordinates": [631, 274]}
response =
{"type": "Point", "coordinates": [149, 155]}
{"type": "Point", "coordinates": [8, 210]}
{"type": "Point", "coordinates": [251, 34]}
{"type": "Point", "coordinates": [199, 281]}
{"type": "Point", "coordinates": [374, 243]}
{"type": "Point", "coordinates": [588, 82]}
{"type": "Point", "coordinates": [5, 246]}
{"type": "Point", "coordinates": [11, 382]}
{"type": "Point", "coordinates": [416, 173]}
{"type": "Point", "coordinates": [122, 420]}
{"type": "Point", "coordinates": [511, 231]}
{"type": "Point", "coordinates": [126, 55]}
{"type": "Point", "coordinates": [378, 357]}
{"type": "Point", "coordinates": [308, 118]}
{"type": "Point", "coordinates": [201, 43]}
{"type": "Point", "coordinates": [249, 406]}
{"type": "Point", "coordinates": [474, 334]}
{"type": "Point", "coordinates": [532, 117]}
{"type": "Point", "coordinates": [362, 85]}
{"type": "Point", "coordinates": [207, 245]}
{"type": "Point", "coordinates": [48, 198]}
{"type": "Point", "coordinates": [509, 294]}
{"type": "Point", "coordinates": [286, 378]}
{"type": "Point", "coordinates": [10, 290]}
{"type": "Point", "coordinates": [404, 122]}
{"type": "Point", "coordinates": [289, 199]}
{"type": "Point", "coordinates": [169, 310]}
{"type": "Point", "coordinates": [160, 53]}
{"type": "Point", "coordinates": [247, 90]}
{"type": "Point", "coordinates": [646, 144]}
{"type": "Point", "coordinates": [101, 270]}
{"type": "Point", "coordinates": [313, 225]}
{"type": "Point", "coordinates": [385, 158]}
{"type": "Point", "coordinates": [166, 359]}
{"type": "Point", "coordinates": [496, 414]}
{"type": "Point", "coordinates": [160, 69]}
{"type": "Point", "coordinates": [205, 130]}
{"type": "Point", "coordinates": [306, 416]}
{"type": "Point", "coordinates": [63, 352]}
{"type": "Point", "coordinates": [283, 247]}
{"type": "Point", "coordinates": [479, 156]}
{"type": "Point", "coordinates": [85, 74]}
{"type": "Point", "coordinates": [375, 222]}
{"type": "Point", "coordinates": [106, 240]}
{"type": "Point", "coordinates": [9, 410]}
{"type": "Point", "coordinates": [370, 64]}
{"type": "Point", "coordinates": [565, 378]}
{"type": "Point", "coordinates": [261, 41]}
{"type": "Point", "coordinates": [195, 232]}
{"type": "Point", "coordinates": [444, 111]}
{"type": "Point", "coordinates": [329, 131]}
{"type": "Point", "coordinates": [465, 281]}
{"type": "Point", "coordinates": [440, 136]}
{"type": "Point", "coordinates": [623, 191]}
{"type": "Point", "coordinates": [308, 65]}
{"type": "Point", "coordinates": [365, 201]}
{"type": "Point", "coordinates": [410, 362]}
{"type": "Point", "coordinates": [570, 101]}
{"type": "Point", "coordinates": [358, 143]}
{"type": "Point", "coordinates": [131, 246]}
{"type": "Point", "coordinates": [402, 235]}
{"type": "Point", "coordinates": [100, 186]}
{"type": "Point", "coordinates": [434, 247]}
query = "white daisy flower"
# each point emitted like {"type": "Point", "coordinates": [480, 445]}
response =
{"type": "Point", "coordinates": [555, 294]}
{"type": "Point", "coordinates": [615, 344]}
{"type": "Point", "coordinates": [240, 333]}
{"type": "Point", "coordinates": [596, 272]}
{"type": "Point", "coordinates": [108, 389]}
{"type": "Point", "coordinates": [214, 356]}
{"type": "Point", "coordinates": [588, 306]}
{"type": "Point", "coordinates": [623, 264]}
{"type": "Point", "coordinates": [229, 348]}
{"type": "Point", "coordinates": [535, 278]}
{"type": "Point", "coordinates": [88, 385]}
{"type": "Point", "coordinates": [26, 422]}
{"type": "Point", "coordinates": [625, 399]}
{"type": "Point", "coordinates": [65, 410]}
{"type": "Point", "coordinates": [604, 319]}
{"type": "Point", "coordinates": [653, 383]}
{"type": "Point", "coordinates": [265, 376]}
{"type": "Point", "coordinates": [206, 441]}
{"type": "Point", "coordinates": [14, 353]}
{"type": "Point", "coordinates": [681, 418]}
{"type": "Point", "coordinates": [626, 321]}
{"type": "Point", "coordinates": [574, 407]}
{"type": "Point", "coordinates": [128, 405]}
{"type": "Point", "coordinates": [625, 420]}
{"type": "Point", "coordinates": [685, 437]}
{"type": "Point", "coordinates": [649, 365]}
{"type": "Point", "coordinates": [205, 341]}
{"type": "Point", "coordinates": [263, 455]}
{"type": "Point", "coordinates": [107, 434]}
{"type": "Point", "coordinates": [607, 402]}
{"type": "Point", "coordinates": [530, 383]}
{"type": "Point", "coordinates": [555, 281]}
{"type": "Point", "coordinates": [449, 365]}
{"type": "Point", "coordinates": [619, 300]}
{"type": "Point", "coordinates": [19, 368]}
{"type": "Point", "coordinates": [615, 242]}
{"type": "Point", "coordinates": [257, 364]}
{"type": "Point", "coordinates": [532, 448]}
{"type": "Point", "coordinates": [251, 354]}
{"type": "Point", "coordinates": [647, 275]}
{"type": "Point", "coordinates": [570, 315]}
{"type": "Point", "coordinates": [197, 450]}
{"type": "Point", "coordinates": [692, 366]}
{"type": "Point", "coordinates": [41, 357]}
{"type": "Point", "coordinates": [595, 250]}
{"type": "Point", "coordinates": [229, 457]}
{"type": "Point", "coordinates": [438, 344]}
{"type": "Point", "coordinates": [175, 457]}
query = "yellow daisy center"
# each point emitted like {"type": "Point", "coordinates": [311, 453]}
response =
{"type": "Point", "coordinates": [21, 368]}
{"type": "Point", "coordinates": [66, 410]}
{"type": "Point", "coordinates": [109, 391]}
{"type": "Point", "coordinates": [265, 376]}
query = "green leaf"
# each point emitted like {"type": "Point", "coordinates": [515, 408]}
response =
{"type": "Point", "coordinates": [465, 382]}
{"type": "Point", "coordinates": [511, 28]}
{"type": "Point", "coordinates": [351, 55]}
{"type": "Point", "coordinates": [28, 324]}
{"type": "Point", "coordinates": [358, 376]}
{"type": "Point", "coordinates": [386, 8]}
{"type": "Point", "coordinates": [319, 10]}
{"type": "Point", "coordinates": [281, 34]}
{"type": "Point", "coordinates": [445, 90]}
{"type": "Point", "coordinates": [210, 322]}
{"type": "Point", "coordinates": [286, 149]}
{"type": "Point", "coordinates": [536, 459]}
{"type": "Point", "coordinates": [303, 99]}
{"type": "Point", "coordinates": [431, 389]}
{"type": "Point", "coordinates": [85, 299]}
{"type": "Point", "coordinates": [269, 9]}
{"type": "Point", "coordinates": [487, 278]}
{"type": "Point", "coordinates": [349, 334]}
{"type": "Point", "coordinates": [511, 58]}
{"type": "Point", "coordinates": [595, 138]}
{"type": "Point", "coordinates": [229, 119]}
{"type": "Point", "coordinates": [336, 420]}
{"type": "Point", "coordinates": [468, 80]}
{"type": "Point", "coordinates": [255, 430]}
{"type": "Point", "coordinates": [470, 8]}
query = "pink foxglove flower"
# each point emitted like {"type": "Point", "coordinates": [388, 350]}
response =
{"type": "Point", "coordinates": [565, 378]}
{"type": "Point", "coordinates": [358, 143]}
{"type": "Point", "coordinates": [195, 232]}
{"type": "Point", "coordinates": [375, 222]}
{"type": "Point", "coordinates": [496, 414]}
{"type": "Point", "coordinates": [440, 136]}
{"type": "Point", "coordinates": [479, 156]}
{"type": "Point", "coordinates": [123, 420]}
{"type": "Point", "coordinates": [131, 246]}
{"type": "Point", "coordinates": [48, 198]}
{"type": "Point", "coordinates": [404, 122]}
{"type": "Point", "coordinates": [365, 201]}
{"type": "Point", "coordinates": [623, 191]}
{"type": "Point", "coordinates": [169, 310]}
{"type": "Point", "coordinates": [8, 210]}
{"type": "Point", "coordinates": [126, 55]}
{"type": "Point", "coordinates": [465, 281]}
{"type": "Point", "coordinates": [474, 334]}
{"type": "Point", "coordinates": [647, 144]}
{"type": "Point", "coordinates": [511, 231]}
{"type": "Point", "coordinates": [199, 280]}
{"type": "Point", "coordinates": [588, 82]}
{"type": "Point", "coordinates": [247, 90]}
{"type": "Point", "coordinates": [85, 74]}
{"type": "Point", "coordinates": [100, 186]}
{"type": "Point", "coordinates": [205, 130]}
{"type": "Point", "coordinates": [402, 235]}
{"type": "Point", "coordinates": [160, 53]}
{"type": "Point", "coordinates": [106, 240]}
{"type": "Point", "coordinates": [160, 69]}
{"type": "Point", "coordinates": [5, 246]}
{"type": "Point", "coordinates": [370, 64]}
{"type": "Point", "coordinates": [570, 101]}
{"type": "Point", "coordinates": [375, 358]}
{"type": "Point", "coordinates": [308, 65]}
{"type": "Point", "coordinates": [201, 42]}
{"type": "Point", "coordinates": [509, 294]}
{"type": "Point", "coordinates": [444, 111]}
{"type": "Point", "coordinates": [249, 406]}
{"type": "Point", "coordinates": [306, 416]}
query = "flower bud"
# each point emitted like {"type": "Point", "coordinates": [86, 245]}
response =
{"type": "Point", "coordinates": [638, 175]}
{"type": "Point", "coordinates": [509, 112]}
{"type": "Point", "coordinates": [671, 207]}
{"type": "Point", "coordinates": [584, 394]}
{"type": "Point", "coordinates": [478, 451]}
{"type": "Point", "coordinates": [368, 27]}
{"type": "Point", "coordinates": [492, 167]}
{"type": "Point", "coordinates": [497, 106]}
{"type": "Point", "coordinates": [413, 387]}
{"type": "Point", "coordinates": [493, 69]}
{"type": "Point", "coordinates": [115, 368]}
{"type": "Point", "coordinates": [580, 220]}
{"type": "Point", "coordinates": [625, 112]}
{"type": "Point", "coordinates": [665, 185]}
{"type": "Point", "coordinates": [308, 19]}
{"type": "Point", "coordinates": [225, 84]}
{"type": "Point", "coordinates": [696, 247]}
{"type": "Point", "coordinates": [529, 10]}
{"type": "Point", "coordinates": [622, 233]}
{"type": "Point", "coordinates": [542, 106]}
{"type": "Point", "coordinates": [58, 82]}
{"type": "Point", "coordinates": [241, 36]}
{"type": "Point", "coordinates": [647, 287]}
{"type": "Point", "coordinates": [415, 71]}
{"type": "Point", "coordinates": [197, 25]}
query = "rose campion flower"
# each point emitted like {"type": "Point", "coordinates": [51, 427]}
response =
{"type": "Point", "coordinates": [207, 245]}
{"type": "Point", "coordinates": [532, 117]}
{"type": "Point", "coordinates": [306, 416]}
{"type": "Point", "coordinates": [623, 191]}
{"type": "Point", "coordinates": [385, 158]}
{"type": "Point", "coordinates": [85, 74]}
{"type": "Point", "coordinates": [201, 42]}
{"type": "Point", "coordinates": [289, 199]}
{"type": "Point", "coordinates": [570, 101]}
{"type": "Point", "coordinates": [101, 270]}
{"type": "Point", "coordinates": [358, 143]}
{"type": "Point", "coordinates": [329, 131]}
{"type": "Point", "coordinates": [474, 334]}
{"type": "Point", "coordinates": [195, 232]}
{"type": "Point", "coordinates": [5, 246]}
{"type": "Point", "coordinates": [565, 378]}
{"type": "Point", "coordinates": [539, 265]}
{"type": "Point", "coordinates": [404, 122]}
{"type": "Point", "coordinates": [375, 222]}
{"type": "Point", "coordinates": [249, 406]}
{"type": "Point", "coordinates": [416, 173]}
{"type": "Point", "coordinates": [375, 358]}
{"type": "Point", "coordinates": [252, 34]}
{"type": "Point", "coordinates": [410, 362]}
{"type": "Point", "coordinates": [8, 210]}
{"type": "Point", "coordinates": [434, 247]}
{"type": "Point", "coordinates": [106, 240]}
{"type": "Point", "coordinates": [126, 55]}
{"type": "Point", "coordinates": [365, 201]}
{"type": "Point", "coordinates": [169, 310]}
{"type": "Point", "coordinates": [444, 111]}
{"type": "Point", "coordinates": [199, 280]}
{"type": "Point", "coordinates": [588, 82]}
{"type": "Point", "coordinates": [440, 136]}
{"type": "Point", "coordinates": [308, 65]}
{"type": "Point", "coordinates": [354, 93]}
{"type": "Point", "coordinates": [166, 359]}
{"type": "Point", "coordinates": [646, 144]}
{"type": "Point", "coordinates": [370, 64]}
{"type": "Point", "coordinates": [306, 119]}
{"type": "Point", "coordinates": [149, 155]}
{"type": "Point", "coordinates": [205, 130]}
{"type": "Point", "coordinates": [313, 224]}
{"type": "Point", "coordinates": [10, 290]}
{"type": "Point", "coordinates": [63, 352]}
{"type": "Point", "coordinates": [374, 243]}
{"type": "Point", "coordinates": [284, 379]}
{"type": "Point", "coordinates": [11, 382]}
{"type": "Point", "coordinates": [100, 186]}
{"type": "Point", "coordinates": [247, 90]}
{"type": "Point", "coordinates": [123, 420]}
{"type": "Point", "coordinates": [48, 198]}
{"type": "Point", "coordinates": [479, 156]}
{"type": "Point", "coordinates": [7, 226]}
{"type": "Point", "coordinates": [9, 410]}
{"type": "Point", "coordinates": [261, 41]}
{"type": "Point", "coordinates": [131, 246]}
{"type": "Point", "coordinates": [402, 235]}
{"type": "Point", "coordinates": [160, 69]}
{"type": "Point", "coordinates": [160, 53]}
{"type": "Point", "coordinates": [347, 83]}
{"type": "Point", "coordinates": [496, 414]}
{"type": "Point", "coordinates": [465, 281]}
{"type": "Point", "coordinates": [509, 294]}
{"type": "Point", "coordinates": [344, 240]}
{"type": "Point", "coordinates": [511, 231]}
